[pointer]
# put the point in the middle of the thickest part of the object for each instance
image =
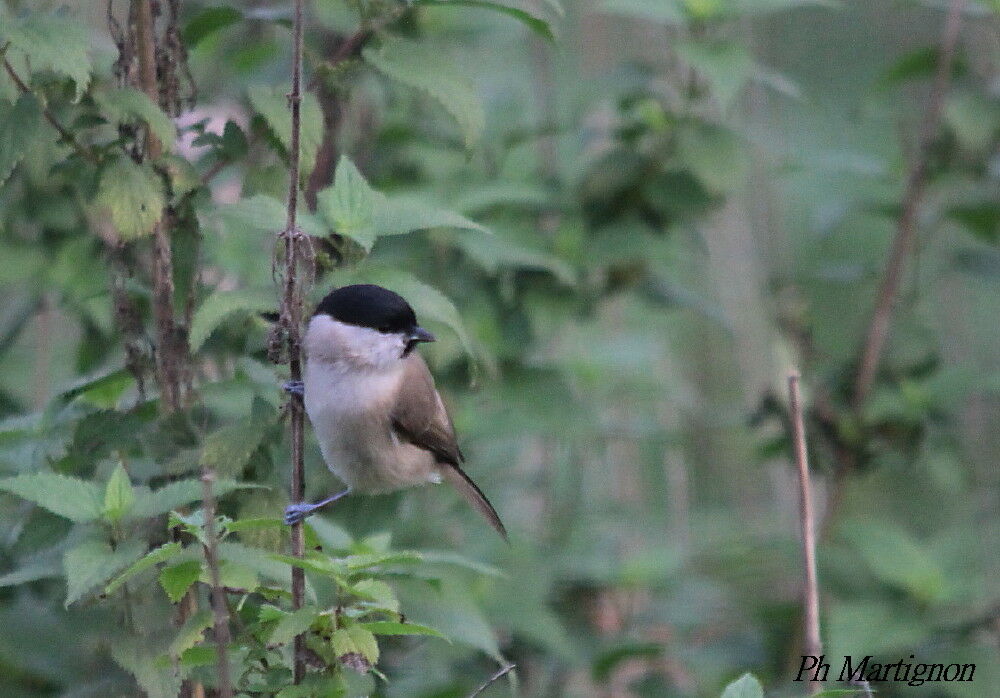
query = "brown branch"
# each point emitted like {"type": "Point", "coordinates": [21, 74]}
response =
{"type": "Point", "coordinates": [504, 670]}
{"type": "Point", "coordinates": [291, 310]}
{"type": "Point", "coordinates": [906, 228]}
{"type": "Point", "coordinates": [220, 611]}
{"type": "Point", "coordinates": [63, 132]}
{"type": "Point", "coordinates": [812, 644]}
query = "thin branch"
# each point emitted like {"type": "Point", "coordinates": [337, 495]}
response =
{"type": "Point", "coordinates": [220, 611]}
{"type": "Point", "coordinates": [812, 643]}
{"type": "Point", "coordinates": [504, 670]}
{"type": "Point", "coordinates": [63, 132]}
{"type": "Point", "coordinates": [906, 228]}
{"type": "Point", "coordinates": [291, 306]}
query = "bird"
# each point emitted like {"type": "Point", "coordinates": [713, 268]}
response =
{"type": "Point", "coordinates": [380, 422]}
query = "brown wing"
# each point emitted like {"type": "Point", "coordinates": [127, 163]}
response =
{"type": "Point", "coordinates": [419, 416]}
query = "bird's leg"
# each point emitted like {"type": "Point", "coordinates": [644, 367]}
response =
{"type": "Point", "coordinates": [294, 388]}
{"type": "Point", "coordinates": [295, 513]}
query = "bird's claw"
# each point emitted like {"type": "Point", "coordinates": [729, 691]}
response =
{"type": "Point", "coordinates": [296, 388]}
{"type": "Point", "coordinates": [296, 513]}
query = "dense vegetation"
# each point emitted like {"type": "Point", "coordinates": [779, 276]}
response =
{"type": "Point", "coordinates": [626, 221]}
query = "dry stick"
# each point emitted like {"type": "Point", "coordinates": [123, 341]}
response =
{"type": "Point", "coordinates": [504, 670]}
{"type": "Point", "coordinates": [172, 353]}
{"type": "Point", "coordinates": [813, 644]}
{"type": "Point", "coordinates": [291, 311]}
{"type": "Point", "coordinates": [906, 229]}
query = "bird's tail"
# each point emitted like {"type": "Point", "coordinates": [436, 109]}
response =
{"type": "Point", "coordinates": [468, 489]}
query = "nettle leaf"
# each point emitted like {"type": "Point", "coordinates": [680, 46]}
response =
{"type": "Point", "coordinates": [350, 644]}
{"type": "Point", "coordinates": [177, 494]}
{"type": "Point", "coordinates": [219, 306]}
{"type": "Point", "coordinates": [541, 16]}
{"type": "Point", "coordinates": [747, 686]}
{"type": "Point", "coordinates": [127, 104]}
{"type": "Point", "coordinates": [58, 42]}
{"type": "Point", "coordinates": [70, 497]}
{"type": "Point", "coordinates": [177, 579]}
{"type": "Point", "coordinates": [228, 449]}
{"type": "Point", "coordinates": [119, 497]}
{"type": "Point", "coordinates": [191, 633]}
{"type": "Point", "coordinates": [377, 593]}
{"type": "Point", "coordinates": [149, 560]}
{"type": "Point", "coordinates": [157, 678]}
{"type": "Point", "coordinates": [292, 624]}
{"type": "Point", "coordinates": [134, 196]}
{"type": "Point", "coordinates": [19, 126]}
{"type": "Point", "coordinates": [271, 102]}
{"type": "Point", "coordinates": [354, 209]}
{"type": "Point", "coordinates": [93, 562]}
{"type": "Point", "coordinates": [428, 68]}
{"type": "Point", "coordinates": [387, 627]}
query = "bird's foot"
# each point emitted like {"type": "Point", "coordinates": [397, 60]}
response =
{"type": "Point", "coordinates": [296, 388]}
{"type": "Point", "coordinates": [296, 513]}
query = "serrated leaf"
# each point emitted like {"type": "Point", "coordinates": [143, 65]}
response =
{"type": "Point", "coordinates": [207, 22]}
{"type": "Point", "coordinates": [355, 640]}
{"type": "Point", "coordinates": [93, 562]}
{"type": "Point", "coordinates": [222, 304]}
{"type": "Point", "coordinates": [228, 449]}
{"type": "Point", "coordinates": [379, 594]}
{"type": "Point", "coordinates": [69, 497]}
{"type": "Point", "coordinates": [58, 42]}
{"type": "Point", "coordinates": [540, 16]}
{"type": "Point", "coordinates": [428, 68]}
{"type": "Point", "coordinates": [387, 627]}
{"type": "Point", "coordinates": [262, 213]}
{"type": "Point", "coordinates": [150, 559]}
{"type": "Point", "coordinates": [177, 579]}
{"type": "Point", "coordinates": [271, 102]}
{"type": "Point", "coordinates": [133, 195]}
{"type": "Point", "coordinates": [119, 496]}
{"type": "Point", "coordinates": [127, 104]}
{"type": "Point", "coordinates": [191, 633]}
{"type": "Point", "coordinates": [19, 127]}
{"type": "Point", "coordinates": [354, 209]}
{"type": "Point", "coordinates": [747, 686]}
{"type": "Point", "coordinates": [158, 679]}
{"type": "Point", "coordinates": [233, 576]}
{"type": "Point", "coordinates": [177, 494]}
{"type": "Point", "coordinates": [293, 624]}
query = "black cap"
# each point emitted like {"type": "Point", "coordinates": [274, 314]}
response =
{"type": "Point", "coordinates": [368, 305]}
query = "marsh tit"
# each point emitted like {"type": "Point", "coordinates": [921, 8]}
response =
{"type": "Point", "coordinates": [379, 420]}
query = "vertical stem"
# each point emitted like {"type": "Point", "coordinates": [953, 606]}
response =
{"type": "Point", "coordinates": [220, 613]}
{"type": "Point", "coordinates": [291, 307]}
{"type": "Point", "coordinates": [812, 644]}
{"type": "Point", "coordinates": [906, 228]}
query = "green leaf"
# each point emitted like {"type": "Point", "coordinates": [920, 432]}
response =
{"type": "Point", "coordinates": [93, 562]}
{"type": "Point", "coordinates": [540, 16]}
{"type": "Point", "coordinates": [493, 253]}
{"type": "Point", "coordinates": [227, 450]}
{"type": "Point", "coordinates": [18, 129]}
{"type": "Point", "coordinates": [271, 102]}
{"type": "Point", "coordinates": [118, 495]}
{"type": "Point", "coordinates": [355, 640]}
{"type": "Point", "coordinates": [221, 305]}
{"type": "Point", "coordinates": [356, 210]}
{"type": "Point", "coordinates": [177, 579]}
{"type": "Point", "coordinates": [714, 154]}
{"type": "Point", "coordinates": [747, 686]}
{"type": "Point", "coordinates": [158, 679]}
{"type": "Point", "coordinates": [207, 22]}
{"type": "Point", "coordinates": [177, 494]}
{"type": "Point", "coordinates": [191, 633]}
{"type": "Point", "coordinates": [727, 65]}
{"type": "Point", "coordinates": [150, 559]}
{"type": "Point", "coordinates": [379, 594]}
{"type": "Point", "coordinates": [133, 194]}
{"type": "Point", "coordinates": [58, 42]}
{"type": "Point", "coordinates": [387, 627]}
{"type": "Point", "coordinates": [233, 576]}
{"type": "Point", "coordinates": [127, 104]}
{"type": "Point", "coordinates": [897, 559]}
{"type": "Point", "coordinates": [70, 497]}
{"type": "Point", "coordinates": [293, 624]}
{"type": "Point", "coordinates": [428, 68]}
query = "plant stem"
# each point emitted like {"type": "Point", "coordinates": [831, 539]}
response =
{"type": "Point", "coordinates": [503, 671]}
{"type": "Point", "coordinates": [220, 612]}
{"type": "Point", "coordinates": [813, 644]}
{"type": "Point", "coordinates": [291, 315]}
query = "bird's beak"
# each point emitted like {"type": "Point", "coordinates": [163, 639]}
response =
{"type": "Point", "coordinates": [419, 334]}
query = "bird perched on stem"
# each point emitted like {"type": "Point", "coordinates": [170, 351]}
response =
{"type": "Point", "coordinates": [379, 420]}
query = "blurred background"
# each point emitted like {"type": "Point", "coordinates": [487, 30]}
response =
{"type": "Point", "coordinates": [686, 199]}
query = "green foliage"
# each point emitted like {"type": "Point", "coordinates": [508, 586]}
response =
{"type": "Point", "coordinates": [127, 104]}
{"type": "Point", "coordinates": [747, 686]}
{"type": "Point", "coordinates": [19, 126]}
{"type": "Point", "coordinates": [58, 42]}
{"type": "Point", "coordinates": [424, 67]}
{"type": "Point", "coordinates": [271, 102]}
{"type": "Point", "coordinates": [222, 305]}
{"type": "Point", "coordinates": [93, 562]}
{"type": "Point", "coordinates": [73, 498]}
{"type": "Point", "coordinates": [133, 196]}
